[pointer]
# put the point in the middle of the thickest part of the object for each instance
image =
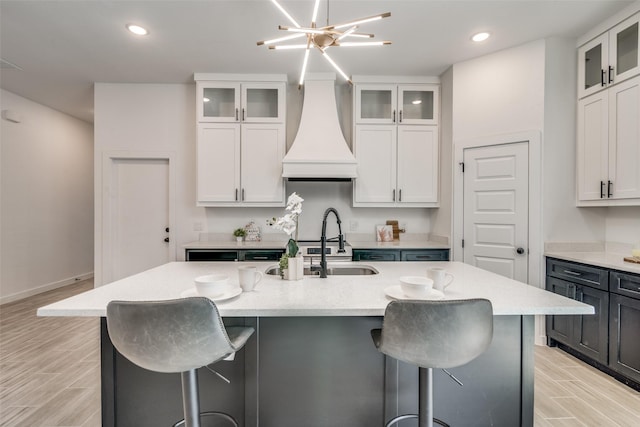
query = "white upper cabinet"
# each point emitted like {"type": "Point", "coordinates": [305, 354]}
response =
{"type": "Point", "coordinates": [610, 58]}
{"type": "Point", "coordinates": [253, 102]}
{"type": "Point", "coordinates": [241, 140]}
{"type": "Point", "coordinates": [608, 151]}
{"type": "Point", "coordinates": [396, 144]}
{"type": "Point", "coordinates": [396, 104]}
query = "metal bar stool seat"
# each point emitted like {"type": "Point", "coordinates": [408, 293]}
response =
{"type": "Point", "coordinates": [434, 334]}
{"type": "Point", "coordinates": [175, 336]}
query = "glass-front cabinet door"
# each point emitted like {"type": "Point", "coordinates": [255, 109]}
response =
{"type": "Point", "coordinates": [262, 102]}
{"type": "Point", "coordinates": [376, 104]}
{"type": "Point", "coordinates": [218, 102]}
{"type": "Point", "coordinates": [241, 102]}
{"type": "Point", "coordinates": [610, 58]}
{"type": "Point", "coordinates": [624, 40]}
{"type": "Point", "coordinates": [418, 104]}
{"type": "Point", "coordinates": [593, 59]}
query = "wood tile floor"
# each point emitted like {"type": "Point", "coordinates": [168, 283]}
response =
{"type": "Point", "coordinates": [50, 375]}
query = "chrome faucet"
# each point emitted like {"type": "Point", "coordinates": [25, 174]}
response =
{"type": "Point", "coordinates": [323, 241]}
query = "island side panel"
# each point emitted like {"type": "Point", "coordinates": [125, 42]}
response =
{"type": "Point", "coordinates": [320, 371]}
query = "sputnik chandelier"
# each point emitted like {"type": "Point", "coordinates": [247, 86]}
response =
{"type": "Point", "coordinates": [322, 38]}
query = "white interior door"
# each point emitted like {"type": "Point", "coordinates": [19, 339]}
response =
{"type": "Point", "coordinates": [139, 216]}
{"type": "Point", "coordinates": [496, 211]}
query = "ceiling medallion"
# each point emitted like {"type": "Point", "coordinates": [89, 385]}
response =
{"type": "Point", "coordinates": [322, 38]}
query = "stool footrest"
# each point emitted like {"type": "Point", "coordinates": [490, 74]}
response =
{"type": "Point", "coordinates": [223, 415]}
{"type": "Point", "coordinates": [392, 421]}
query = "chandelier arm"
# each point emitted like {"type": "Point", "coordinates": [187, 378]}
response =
{"type": "Point", "coordinates": [337, 68]}
{"type": "Point", "coordinates": [361, 44]}
{"type": "Point", "coordinates": [315, 14]}
{"type": "Point", "coordinates": [281, 39]}
{"type": "Point", "coordinates": [358, 21]}
{"type": "Point", "coordinates": [284, 11]}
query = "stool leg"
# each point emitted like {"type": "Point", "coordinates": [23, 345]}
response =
{"type": "Point", "coordinates": [425, 397]}
{"type": "Point", "coordinates": [190, 398]}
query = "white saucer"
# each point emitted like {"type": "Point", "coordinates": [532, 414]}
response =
{"type": "Point", "coordinates": [232, 293]}
{"type": "Point", "coordinates": [395, 292]}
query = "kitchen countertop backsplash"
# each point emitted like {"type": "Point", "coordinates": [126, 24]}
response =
{"type": "Point", "coordinates": [356, 240]}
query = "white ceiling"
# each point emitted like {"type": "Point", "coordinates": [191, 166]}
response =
{"type": "Point", "coordinates": [65, 46]}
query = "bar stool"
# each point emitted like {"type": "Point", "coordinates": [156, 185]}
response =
{"type": "Point", "coordinates": [434, 334]}
{"type": "Point", "coordinates": [175, 336]}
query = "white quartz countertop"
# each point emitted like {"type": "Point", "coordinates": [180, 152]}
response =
{"type": "Point", "coordinates": [610, 260]}
{"type": "Point", "coordinates": [312, 296]}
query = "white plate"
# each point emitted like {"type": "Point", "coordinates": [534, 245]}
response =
{"type": "Point", "coordinates": [232, 293]}
{"type": "Point", "coordinates": [395, 292]}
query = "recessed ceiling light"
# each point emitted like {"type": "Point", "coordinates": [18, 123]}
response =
{"type": "Point", "coordinates": [137, 29]}
{"type": "Point", "coordinates": [480, 37]}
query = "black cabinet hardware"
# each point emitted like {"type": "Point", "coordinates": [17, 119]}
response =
{"type": "Point", "coordinates": [602, 189]}
{"type": "Point", "coordinates": [610, 74]}
{"type": "Point", "coordinates": [609, 193]}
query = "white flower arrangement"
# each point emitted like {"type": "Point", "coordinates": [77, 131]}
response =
{"type": "Point", "coordinates": [289, 223]}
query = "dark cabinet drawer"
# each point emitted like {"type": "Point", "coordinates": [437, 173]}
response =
{"type": "Point", "coordinates": [263, 255]}
{"type": "Point", "coordinates": [578, 273]}
{"type": "Point", "coordinates": [425, 255]}
{"type": "Point", "coordinates": [625, 284]}
{"type": "Point", "coordinates": [376, 255]}
{"type": "Point", "coordinates": [211, 255]}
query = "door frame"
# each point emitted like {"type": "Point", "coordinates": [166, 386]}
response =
{"type": "Point", "coordinates": [104, 232]}
{"type": "Point", "coordinates": [534, 140]}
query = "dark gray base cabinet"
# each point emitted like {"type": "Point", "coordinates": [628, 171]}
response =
{"type": "Point", "coordinates": [624, 325]}
{"type": "Point", "coordinates": [611, 337]}
{"type": "Point", "coordinates": [401, 254]}
{"type": "Point", "coordinates": [585, 334]}
{"type": "Point", "coordinates": [233, 254]}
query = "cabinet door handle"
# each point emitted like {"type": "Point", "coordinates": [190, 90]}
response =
{"type": "Point", "coordinates": [572, 290]}
{"type": "Point", "coordinates": [400, 195]}
{"type": "Point", "coordinates": [243, 194]}
{"type": "Point", "coordinates": [260, 257]}
{"type": "Point", "coordinates": [573, 273]}
{"type": "Point", "coordinates": [602, 189]}
{"type": "Point", "coordinates": [400, 116]}
{"type": "Point", "coordinates": [580, 294]}
{"type": "Point", "coordinates": [394, 116]}
{"type": "Point", "coordinates": [236, 194]}
{"type": "Point", "coordinates": [603, 78]}
{"type": "Point", "coordinates": [609, 193]}
{"type": "Point", "coordinates": [394, 195]}
{"type": "Point", "coordinates": [243, 115]}
{"type": "Point", "coordinates": [610, 74]}
{"type": "Point", "coordinates": [236, 114]}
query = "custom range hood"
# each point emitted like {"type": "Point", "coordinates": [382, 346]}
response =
{"type": "Point", "coordinates": [319, 151]}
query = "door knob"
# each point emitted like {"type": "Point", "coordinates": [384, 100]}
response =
{"type": "Point", "coordinates": [520, 251]}
{"type": "Point", "coordinates": [166, 239]}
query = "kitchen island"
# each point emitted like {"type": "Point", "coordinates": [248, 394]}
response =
{"type": "Point", "coordinates": [312, 362]}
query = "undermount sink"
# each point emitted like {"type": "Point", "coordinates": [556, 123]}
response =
{"type": "Point", "coordinates": [332, 270]}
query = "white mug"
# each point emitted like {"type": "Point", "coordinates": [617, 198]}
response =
{"type": "Point", "coordinates": [439, 276]}
{"type": "Point", "coordinates": [249, 277]}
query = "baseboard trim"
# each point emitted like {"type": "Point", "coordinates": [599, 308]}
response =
{"type": "Point", "coordinates": [44, 288]}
